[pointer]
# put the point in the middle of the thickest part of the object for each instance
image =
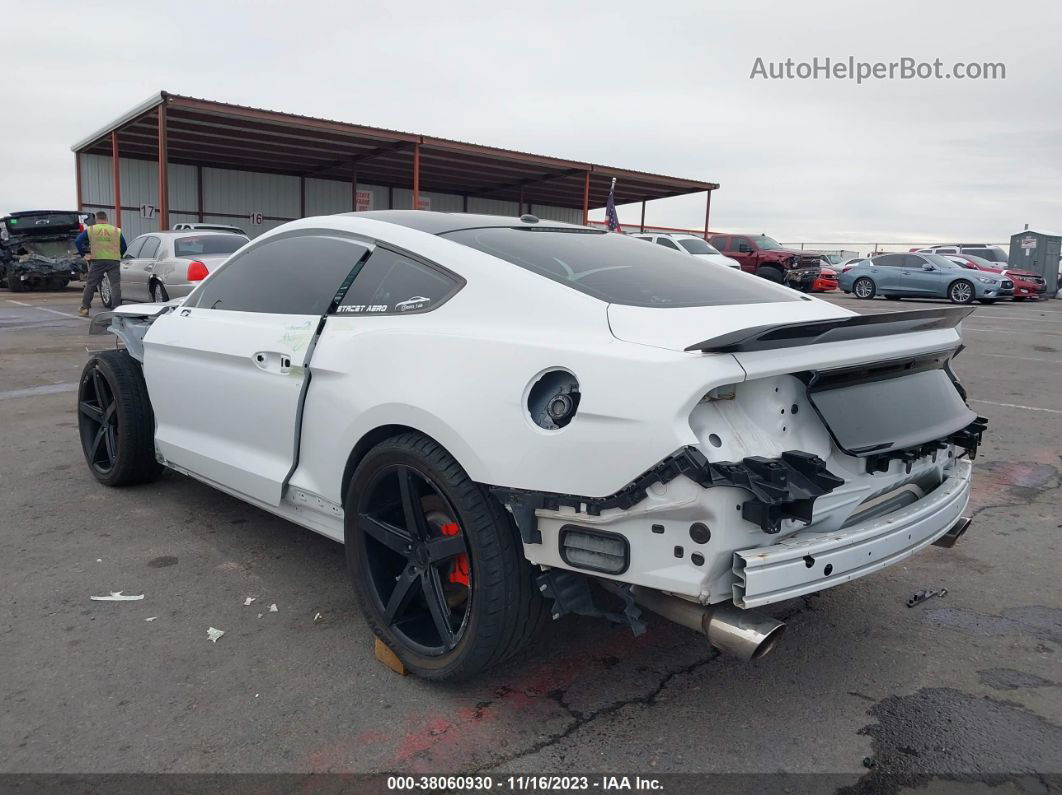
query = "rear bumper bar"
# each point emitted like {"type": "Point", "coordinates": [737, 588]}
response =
{"type": "Point", "coordinates": [809, 561]}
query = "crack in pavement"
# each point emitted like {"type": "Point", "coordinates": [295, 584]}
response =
{"type": "Point", "coordinates": [581, 719]}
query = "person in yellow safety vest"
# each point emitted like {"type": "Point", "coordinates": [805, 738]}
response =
{"type": "Point", "coordinates": [103, 246]}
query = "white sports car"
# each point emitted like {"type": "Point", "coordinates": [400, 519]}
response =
{"type": "Point", "coordinates": [493, 414]}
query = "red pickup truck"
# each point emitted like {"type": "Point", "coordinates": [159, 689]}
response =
{"type": "Point", "coordinates": [763, 256]}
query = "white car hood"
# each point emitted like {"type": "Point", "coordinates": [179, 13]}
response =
{"type": "Point", "coordinates": [678, 328]}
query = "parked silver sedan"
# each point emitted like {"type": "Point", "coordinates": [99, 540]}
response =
{"type": "Point", "coordinates": [159, 266]}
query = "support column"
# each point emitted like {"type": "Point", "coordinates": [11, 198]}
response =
{"type": "Point", "coordinates": [416, 176]}
{"type": "Point", "coordinates": [117, 180]}
{"type": "Point", "coordinates": [464, 202]}
{"type": "Point", "coordinates": [77, 176]}
{"type": "Point", "coordinates": [354, 190]}
{"type": "Point", "coordinates": [643, 215]}
{"type": "Point", "coordinates": [302, 197]}
{"type": "Point", "coordinates": [164, 188]}
{"type": "Point", "coordinates": [586, 199]}
{"type": "Point", "coordinates": [199, 192]}
{"type": "Point", "coordinates": [520, 210]}
{"type": "Point", "coordinates": [707, 213]}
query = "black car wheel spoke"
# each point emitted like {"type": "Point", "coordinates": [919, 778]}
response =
{"type": "Point", "coordinates": [405, 588]}
{"type": "Point", "coordinates": [416, 524]}
{"type": "Point", "coordinates": [438, 606]}
{"type": "Point", "coordinates": [394, 538]}
{"type": "Point", "coordinates": [442, 549]}
{"type": "Point", "coordinates": [94, 413]}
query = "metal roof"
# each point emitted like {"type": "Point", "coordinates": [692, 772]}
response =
{"type": "Point", "coordinates": [221, 135]}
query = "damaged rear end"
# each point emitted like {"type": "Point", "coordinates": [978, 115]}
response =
{"type": "Point", "coordinates": [38, 250]}
{"type": "Point", "coordinates": [845, 448]}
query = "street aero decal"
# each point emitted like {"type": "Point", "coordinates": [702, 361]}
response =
{"type": "Point", "coordinates": [358, 308]}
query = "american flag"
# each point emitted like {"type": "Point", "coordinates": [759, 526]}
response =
{"type": "Point", "coordinates": [610, 210]}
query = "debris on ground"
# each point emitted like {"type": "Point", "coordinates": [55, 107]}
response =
{"type": "Point", "coordinates": [118, 596]}
{"type": "Point", "coordinates": [273, 608]}
{"type": "Point", "coordinates": [261, 614]}
{"type": "Point", "coordinates": [214, 634]}
{"type": "Point", "coordinates": [248, 600]}
{"type": "Point", "coordinates": [921, 596]}
{"type": "Point", "coordinates": [151, 618]}
{"type": "Point", "coordinates": [318, 618]}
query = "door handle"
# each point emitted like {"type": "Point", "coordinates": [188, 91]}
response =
{"type": "Point", "coordinates": [272, 362]}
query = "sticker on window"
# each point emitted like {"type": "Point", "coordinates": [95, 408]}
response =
{"type": "Point", "coordinates": [417, 302]}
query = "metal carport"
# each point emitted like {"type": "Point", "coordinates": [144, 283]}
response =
{"type": "Point", "coordinates": [172, 139]}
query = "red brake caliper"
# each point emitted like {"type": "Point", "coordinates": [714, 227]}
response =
{"type": "Point", "coordinates": [459, 571]}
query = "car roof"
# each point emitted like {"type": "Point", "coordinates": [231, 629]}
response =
{"type": "Point", "coordinates": [169, 233]}
{"type": "Point", "coordinates": [437, 223]}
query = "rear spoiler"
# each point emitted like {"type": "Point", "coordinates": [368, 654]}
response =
{"type": "Point", "coordinates": [814, 332]}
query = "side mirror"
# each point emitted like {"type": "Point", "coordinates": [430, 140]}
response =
{"type": "Point", "coordinates": [928, 267]}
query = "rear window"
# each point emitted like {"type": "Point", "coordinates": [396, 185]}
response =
{"type": "Point", "coordinates": [619, 270]}
{"type": "Point", "coordinates": [695, 245]}
{"type": "Point", "coordinates": [198, 245]}
{"type": "Point", "coordinates": [990, 254]}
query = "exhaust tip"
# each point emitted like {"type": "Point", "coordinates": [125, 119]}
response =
{"type": "Point", "coordinates": [742, 633]}
{"type": "Point", "coordinates": [769, 642]}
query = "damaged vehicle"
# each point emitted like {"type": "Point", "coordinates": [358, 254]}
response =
{"type": "Point", "coordinates": [504, 419]}
{"type": "Point", "coordinates": [37, 250]}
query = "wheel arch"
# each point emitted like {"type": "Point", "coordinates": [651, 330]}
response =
{"type": "Point", "coordinates": [380, 433]}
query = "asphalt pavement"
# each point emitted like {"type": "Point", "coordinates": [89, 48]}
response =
{"type": "Point", "coordinates": [862, 689]}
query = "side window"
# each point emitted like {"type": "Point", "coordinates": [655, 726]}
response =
{"type": "Point", "coordinates": [741, 245]}
{"type": "Point", "coordinates": [134, 248]}
{"type": "Point", "coordinates": [888, 261]}
{"type": "Point", "coordinates": [721, 242]}
{"type": "Point", "coordinates": [391, 283]}
{"type": "Point", "coordinates": [150, 247]}
{"type": "Point", "coordinates": [666, 243]}
{"type": "Point", "coordinates": [297, 275]}
{"type": "Point", "coordinates": [945, 251]}
{"type": "Point", "coordinates": [913, 261]}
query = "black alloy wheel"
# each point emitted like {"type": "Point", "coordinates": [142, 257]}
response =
{"type": "Point", "coordinates": [98, 423]}
{"type": "Point", "coordinates": [416, 560]}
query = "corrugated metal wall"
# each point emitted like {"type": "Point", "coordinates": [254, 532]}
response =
{"type": "Point", "coordinates": [232, 197]}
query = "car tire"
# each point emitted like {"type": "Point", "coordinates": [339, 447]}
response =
{"type": "Point", "coordinates": [115, 420]}
{"type": "Point", "coordinates": [771, 274]}
{"type": "Point", "coordinates": [961, 292]}
{"type": "Point", "coordinates": [158, 293]}
{"type": "Point", "coordinates": [500, 608]}
{"type": "Point", "coordinates": [58, 285]}
{"type": "Point", "coordinates": [988, 301]}
{"type": "Point", "coordinates": [15, 284]}
{"type": "Point", "coordinates": [864, 287]}
{"type": "Point", "coordinates": [104, 290]}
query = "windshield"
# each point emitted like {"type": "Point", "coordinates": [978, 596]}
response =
{"type": "Point", "coordinates": [616, 269]}
{"type": "Point", "coordinates": [695, 245]}
{"type": "Point", "coordinates": [991, 253]}
{"type": "Point", "coordinates": [198, 245]}
{"type": "Point", "coordinates": [766, 243]}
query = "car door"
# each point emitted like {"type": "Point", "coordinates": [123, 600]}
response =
{"type": "Point", "coordinates": [921, 278]}
{"type": "Point", "coordinates": [129, 257]}
{"type": "Point", "coordinates": [137, 270]}
{"type": "Point", "coordinates": [226, 371]}
{"type": "Point", "coordinates": [744, 252]}
{"type": "Point", "coordinates": [885, 271]}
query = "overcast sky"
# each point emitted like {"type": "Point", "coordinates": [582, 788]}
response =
{"type": "Point", "coordinates": [661, 87]}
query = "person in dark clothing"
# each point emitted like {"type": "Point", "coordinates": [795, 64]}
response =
{"type": "Point", "coordinates": [103, 246]}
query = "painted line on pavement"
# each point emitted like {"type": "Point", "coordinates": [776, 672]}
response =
{"type": "Point", "coordinates": [34, 391]}
{"type": "Point", "coordinates": [1016, 406]}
